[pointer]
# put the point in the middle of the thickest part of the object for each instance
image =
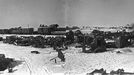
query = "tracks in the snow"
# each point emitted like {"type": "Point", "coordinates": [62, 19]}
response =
{"type": "Point", "coordinates": [28, 65]}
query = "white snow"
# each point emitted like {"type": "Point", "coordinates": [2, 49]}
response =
{"type": "Point", "coordinates": [4, 35]}
{"type": "Point", "coordinates": [76, 62]}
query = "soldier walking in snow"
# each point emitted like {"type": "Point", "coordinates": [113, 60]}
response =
{"type": "Point", "coordinates": [61, 55]}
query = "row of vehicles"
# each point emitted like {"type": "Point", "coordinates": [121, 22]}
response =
{"type": "Point", "coordinates": [53, 29]}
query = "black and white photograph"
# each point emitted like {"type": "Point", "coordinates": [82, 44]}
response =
{"type": "Point", "coordinates": [66, 37]}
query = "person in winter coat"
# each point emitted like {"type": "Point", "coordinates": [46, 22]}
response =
{"type": "Point", "coordinates": [61, 55]}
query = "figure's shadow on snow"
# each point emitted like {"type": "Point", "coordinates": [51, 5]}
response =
{"type": "Point", "coordinates": [16, 63]}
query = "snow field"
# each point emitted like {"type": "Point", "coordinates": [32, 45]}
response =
{"type": "Point", "coordinates": [77, 63]}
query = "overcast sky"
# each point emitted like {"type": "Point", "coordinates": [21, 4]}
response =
{"type": "Point", "coordinates": [15, 13]}
{"type": "Point", "coordinates": [33, 12]}
{"type": "Point", "coordinates": [101, 12]}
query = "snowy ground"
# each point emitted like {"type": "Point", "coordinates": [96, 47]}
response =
{"type": "Point", "coordinates": [4, 35]}
{"type": "Point", "coordinates": [76, 62]}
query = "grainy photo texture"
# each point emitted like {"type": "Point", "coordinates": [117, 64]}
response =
{"type": "Point", "coordinates": [66, 37]}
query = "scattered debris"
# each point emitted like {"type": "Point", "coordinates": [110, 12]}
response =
{"type": "Point", "coordinates": [99, 72]}
{"type": "Point", "coordinates": [35, 52]}
{"type": "Point", "coordinates": [119, 71]}
{"type": "Point", "coordinates": [5, 62]}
